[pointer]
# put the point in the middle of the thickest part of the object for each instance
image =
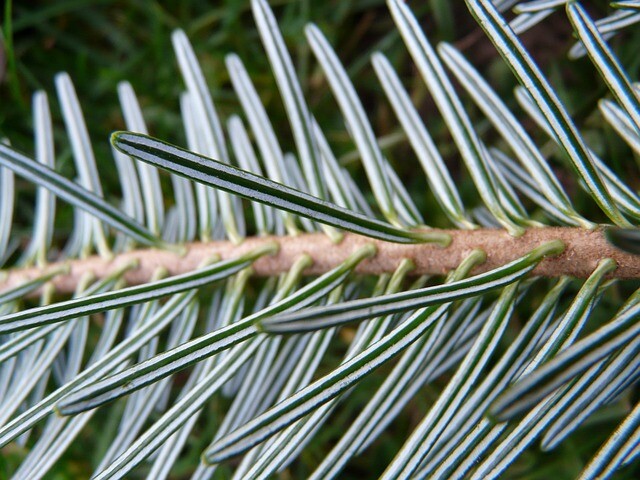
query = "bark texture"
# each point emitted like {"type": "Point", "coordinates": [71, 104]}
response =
{"type": "Point", "coordinates": [584, 249]}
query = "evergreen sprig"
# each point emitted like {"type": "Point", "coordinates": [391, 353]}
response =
{"type": "Point", "coordinates": [167, 315]}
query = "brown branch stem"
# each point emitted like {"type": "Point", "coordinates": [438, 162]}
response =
{"type": "Point", "coordinates": [584, 248]}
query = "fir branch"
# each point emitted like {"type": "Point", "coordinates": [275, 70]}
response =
{"type": "Point", "coordinates": [584, 249]}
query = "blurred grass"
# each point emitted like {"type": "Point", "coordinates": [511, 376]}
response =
{"type": "Point", "coordinates": [102, 42]}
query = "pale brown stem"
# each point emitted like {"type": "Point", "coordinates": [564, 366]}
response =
{"type": "Point", "coordinates": [584, 248]}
